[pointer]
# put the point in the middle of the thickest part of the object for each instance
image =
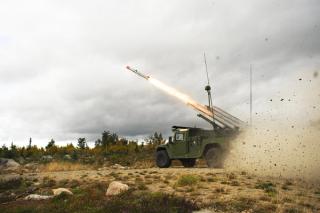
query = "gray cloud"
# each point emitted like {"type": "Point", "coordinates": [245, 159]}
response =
{"type": "Point", "coordinates": [62, 63]}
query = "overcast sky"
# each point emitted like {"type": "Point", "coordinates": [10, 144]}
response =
{"type": "Point", "coordinates": [62, 63]}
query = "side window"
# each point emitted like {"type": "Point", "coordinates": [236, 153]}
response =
{"type": "Point", "coordinates": [179, 137]}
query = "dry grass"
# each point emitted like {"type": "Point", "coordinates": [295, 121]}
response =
{"type": "Point", "coordinates": [144, 164]}
{"type": "Point", "coordinates": [63, 166]}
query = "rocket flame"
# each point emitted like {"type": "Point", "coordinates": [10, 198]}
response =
{"type": "Point", "coordinates": [181, 96]}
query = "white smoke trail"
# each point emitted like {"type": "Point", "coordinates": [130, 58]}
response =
{"type": "Point", "coordinates": [181, 96]}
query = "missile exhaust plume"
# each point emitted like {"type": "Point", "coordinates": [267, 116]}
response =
{"type": "Point", "coordinates": [173, 92]}
{"type": "Point", "coordinates": [181, 96]}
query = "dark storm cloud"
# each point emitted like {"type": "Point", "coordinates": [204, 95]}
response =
{"type": "Point", "coordinates": [62, 63]}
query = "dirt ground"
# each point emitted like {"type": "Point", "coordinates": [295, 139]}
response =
{"type": "Point", "coordinates": [214, 189]}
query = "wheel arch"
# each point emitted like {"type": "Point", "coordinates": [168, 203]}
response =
{"type": "Point", "coordinates": [209, 146]}
{"type": "Point", "coordinates": [165, 149]}
{"type": "Point", "coordinates": [161, 148]}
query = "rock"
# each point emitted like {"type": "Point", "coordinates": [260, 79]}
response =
{"type": "Point", "coordinates": [58, 191]}
{"type": "Point", "coordinates": [116, 187]}
{"type": "Point", "coordinates": [11, 163]}
{"type": "Point", "coordinates": [37, 197]}
{"type": "Point", "coordinates": [103, 168]}
{"type": "Point", "coordinates": [31, 166]}
{"type": "Point", "coordinates": [117, 166]}
{"type": "Point", "coordinates": [8, 164]}
{"type": "Point", "coordinates": [67, 157]}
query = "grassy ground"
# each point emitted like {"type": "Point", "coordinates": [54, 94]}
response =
{"type": "Point", "coordinates": [91, 198]}
{"type": "Point", "coordinates": [160, 190]}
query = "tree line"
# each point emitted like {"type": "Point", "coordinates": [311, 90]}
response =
{"type": "Point", "coordinates": [110, 145]}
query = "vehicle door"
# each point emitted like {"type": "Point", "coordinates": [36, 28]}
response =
{"type": "Point", "coordinates": [194, 146]}
{"type": "Point", "coordinates": [179, 145]}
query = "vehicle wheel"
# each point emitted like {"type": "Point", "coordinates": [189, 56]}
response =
{"type": "Point", "coordinates": [214, 158]}
{"type": "Point", "coordinates": [188, 163]}
{"type": "Point", "coordinates": [162, 159]}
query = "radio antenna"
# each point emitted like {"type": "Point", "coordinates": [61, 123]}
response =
{"type": "Point", "coordinates": [208, 88]}
{"type": "Point", "coordinates": [205, 62]}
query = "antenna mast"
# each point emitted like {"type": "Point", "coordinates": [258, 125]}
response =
{"type": "Point", "coordinates": [208, 87]}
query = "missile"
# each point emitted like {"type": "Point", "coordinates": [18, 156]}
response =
{"type": "Point", "coordinates": [138, 73]}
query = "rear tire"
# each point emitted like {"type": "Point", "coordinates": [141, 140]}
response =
{"type": "Point", "coordinates": [162, 159]}
{"type": "Point", "coordinates": [188, 163]}
{"type": "Point", "coordinates": [213, 158]}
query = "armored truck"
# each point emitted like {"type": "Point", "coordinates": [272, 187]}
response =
{"type": "Point", "coordinates": [188, 144]}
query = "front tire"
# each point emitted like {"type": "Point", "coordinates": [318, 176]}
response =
{"type": "Point", "coordinates": [213, 158]}
{"type": "Point", "coordinates": [188, 163]}
{"type": "Point", "coordinates": [162, 159]}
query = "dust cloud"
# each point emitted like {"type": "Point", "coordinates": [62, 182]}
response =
{"type": "Point", "coordinates": [278, 151]}
{"type": "Point", "coordinates": [285, 138]}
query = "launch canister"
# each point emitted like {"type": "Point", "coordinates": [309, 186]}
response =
{"type": "Point", "coordinates": [138, 73]}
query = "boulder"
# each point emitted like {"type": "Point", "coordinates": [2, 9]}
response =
{"type": "Point", "coordinates": [37, 197]}
{"type": "Point", "coordinates": [116, 188]}
{"type": "Point", "coordinates": [8, 164]}
{"type": "Point", "coordinates": [59, 191]}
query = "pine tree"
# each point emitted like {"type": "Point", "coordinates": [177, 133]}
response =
{"type": "Point", "coordinates": [50, 144]}
{"type": "Point", "coordinates": [30, 143]}
{"type": "Point", "coordinates": [82, 143]}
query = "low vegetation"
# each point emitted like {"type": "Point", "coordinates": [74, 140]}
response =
{"type": "Point", "coordinates": [268, 187]}
{"type": "Point", "coordinates": [188, 180]}
{"type": "Point", "coordinates": [236, 205]}
{"type": "Point", "coordinates": [12, 183]}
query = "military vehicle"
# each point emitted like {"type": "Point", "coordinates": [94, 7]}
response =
{"type": "Point", "coordinates": [189, 143]}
